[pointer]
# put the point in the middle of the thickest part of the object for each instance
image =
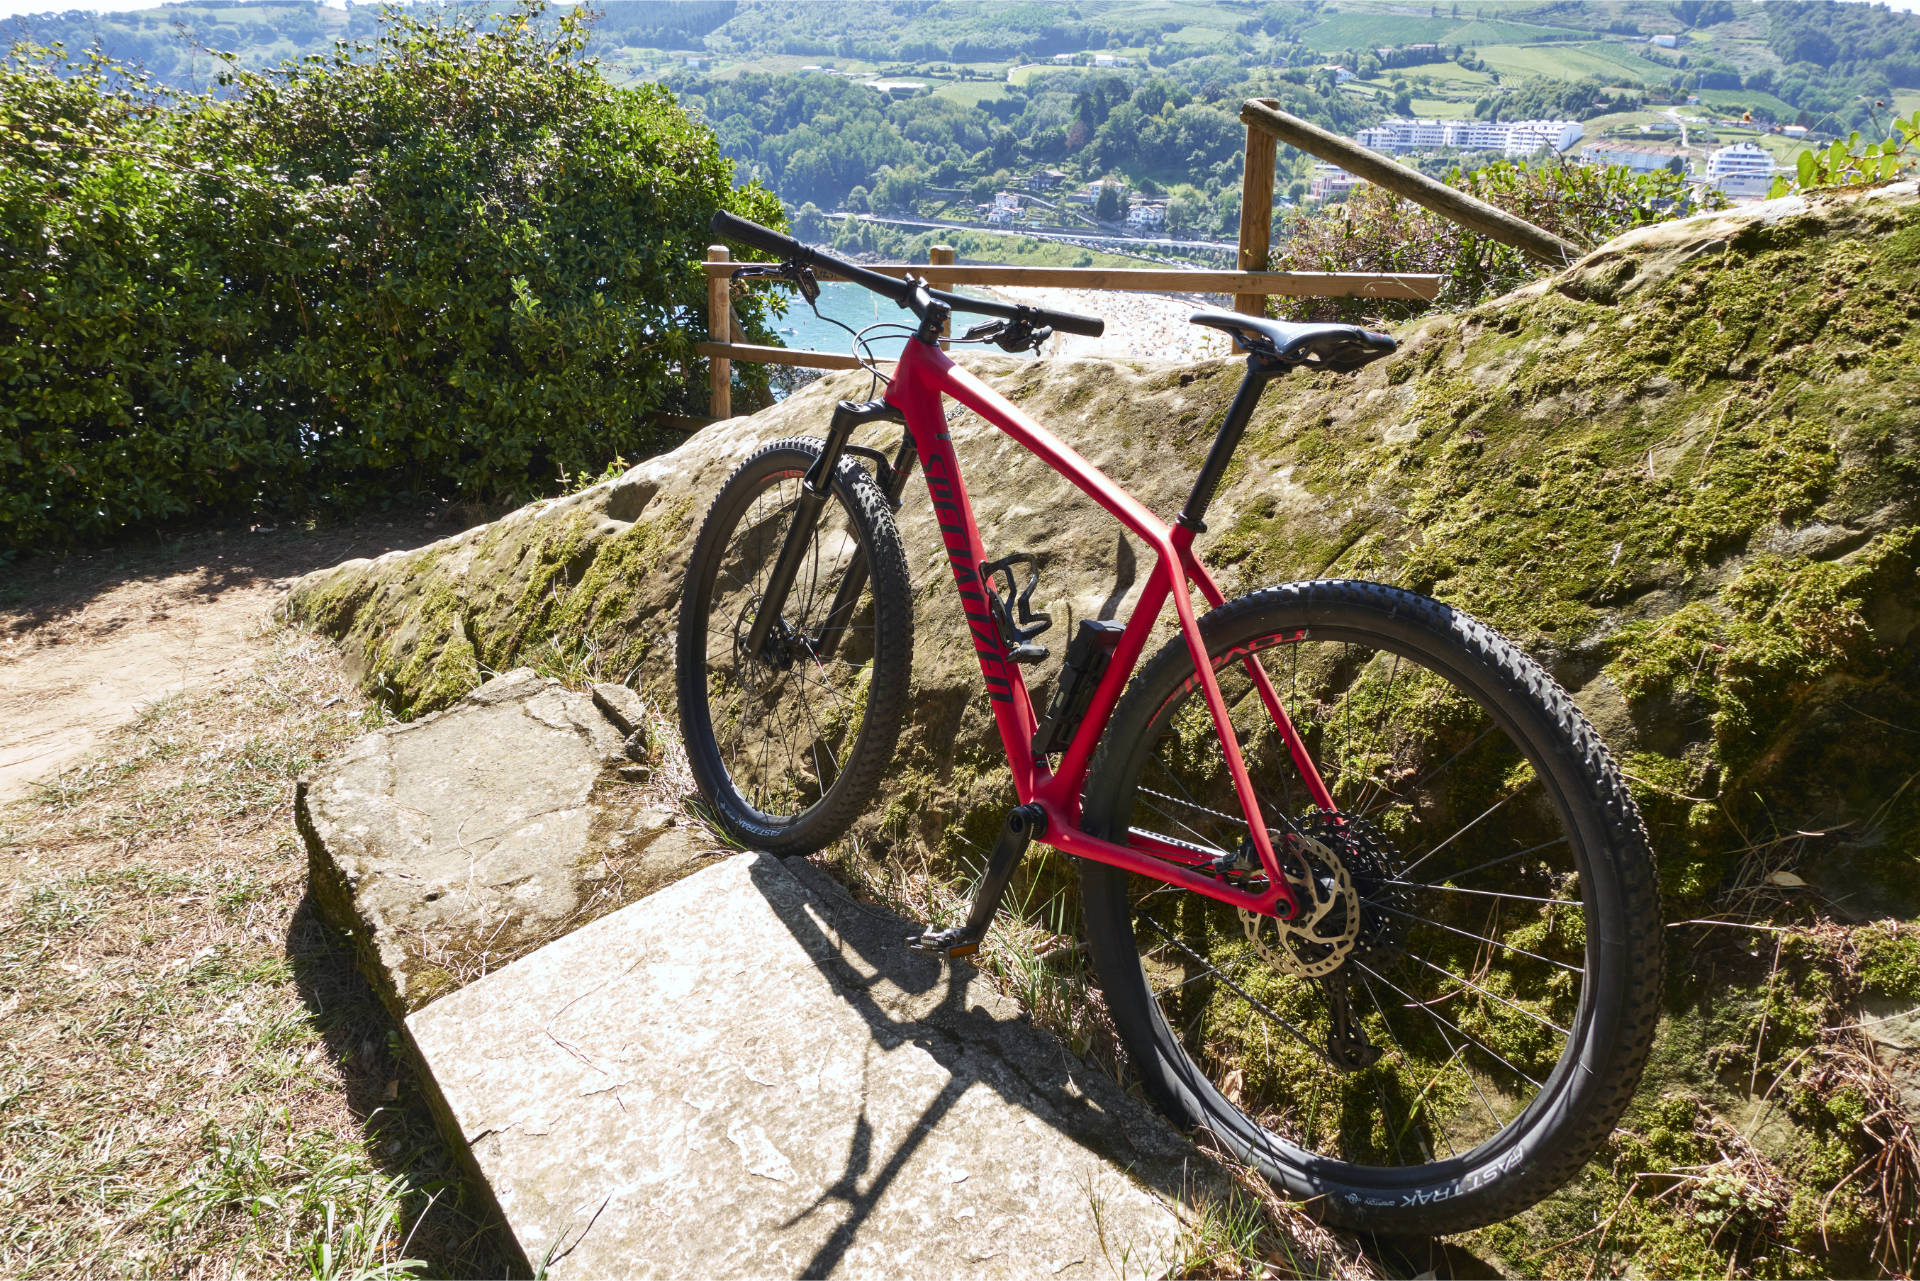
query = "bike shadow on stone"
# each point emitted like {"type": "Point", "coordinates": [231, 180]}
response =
{"type": "Point", "coordinates": [980, 1038]}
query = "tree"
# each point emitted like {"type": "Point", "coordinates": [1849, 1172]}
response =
{"type": "Point", "coordinates": [897, 190]}
{"type": "Point", "coordinates": [1106, 206]}
{"type": "Point", "coordinates": [1186, 210]}
{"type": "Point", "coordinates": [809, 223]}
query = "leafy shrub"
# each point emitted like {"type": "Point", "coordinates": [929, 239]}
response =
{"type": "Point", "coordinates": [1849, 163]}
{"type": "Point", "coordinates": [455, 262]}
{"type": "Point", "coordinates": [1377, 231]}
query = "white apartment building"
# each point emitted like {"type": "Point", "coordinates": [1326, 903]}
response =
{"type": "Point", "coordinates": [1147, 217]}
{"type": "Point", "coordinates": [1742, 169]}
{"type": "Point", "coordinates": [1513, 138]}
{"type": "Point", "coordinates": [1478, 135]}
{"type": "Point", "coordinates": [1528, 136]}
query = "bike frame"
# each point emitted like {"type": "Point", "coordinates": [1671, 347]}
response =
{"type": "Point", "coordinates": [923, 377]}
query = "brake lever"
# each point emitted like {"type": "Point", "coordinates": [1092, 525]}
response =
{"type": "Point", "coordinates": [1035, 340]}
{"type": "Point", "coordinates": [802, 278]}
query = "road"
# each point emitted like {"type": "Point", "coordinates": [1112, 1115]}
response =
{"type": "Point", "coordinates": [1067, 236]}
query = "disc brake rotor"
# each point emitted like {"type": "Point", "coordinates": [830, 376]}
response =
{"type": "Point", "coordinates": [1317, 941]}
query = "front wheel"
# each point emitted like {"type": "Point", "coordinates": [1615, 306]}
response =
{"type": "Point", "coordinates": [788, 744]}
{"type": "Point", "coordinates": [1464, 1007]}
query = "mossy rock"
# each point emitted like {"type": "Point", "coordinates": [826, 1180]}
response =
{"type": "Point", "coordinates": [1684, 473]}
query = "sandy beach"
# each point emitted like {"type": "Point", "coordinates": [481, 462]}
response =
{"type": "Point", "coordinates": [1139, 326]}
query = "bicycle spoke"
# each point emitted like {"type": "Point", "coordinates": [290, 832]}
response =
{"type": "Point", "coordinates": [1387, 907]}
{"type": "Point", "coordinates": [1469, 827]}
{"type": "Point", "coordinates": [1494, 996]}
{"type": "Point", "coordinates": [1508, 858]}
{"type": "Point", "coordinates": [1417, 1003]}
{"type": "Point", "coordinates": [1461, 889]}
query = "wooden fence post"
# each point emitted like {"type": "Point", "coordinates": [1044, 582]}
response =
{"type": "Point", "coordinates": [720, 330]}
{"type": "Point", "coordinates": [942, 256]}
{"type": "Point", "coordinates": [1256, 214]}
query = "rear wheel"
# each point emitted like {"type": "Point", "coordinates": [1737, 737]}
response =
{"type": "Point", "coordinates": [1462, 1013]}
{"type": "Point", "coordinates": [788, 744]}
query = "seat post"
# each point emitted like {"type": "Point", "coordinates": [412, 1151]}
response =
{"type": "Point", "coordinates": [1261, 369]}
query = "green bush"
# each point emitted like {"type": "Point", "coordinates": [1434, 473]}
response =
{"type": "Point", "coordinates": [454, 262]}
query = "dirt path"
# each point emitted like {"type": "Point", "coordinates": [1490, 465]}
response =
{"type": "Point", "coordinates": [87, 642]}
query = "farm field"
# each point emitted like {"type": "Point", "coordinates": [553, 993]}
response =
{"type": "Point", "coordinates": [1446, 73]}
{"type": "Point", "coordinates": [1364, 30]}
{"type": "Point", "coordinates": [970, 93]}
{"type": "Point", "coordinates": [1570, 61]}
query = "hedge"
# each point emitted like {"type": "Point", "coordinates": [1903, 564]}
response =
{"type": "Point", "coordinates": [454, 262]}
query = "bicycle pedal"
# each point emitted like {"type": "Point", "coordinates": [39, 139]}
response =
{"type": "Point", "coordinates": [950, 943]}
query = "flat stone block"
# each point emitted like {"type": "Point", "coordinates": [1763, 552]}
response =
{"type": "Point", "coordinates": [747, 1074]}
{"type": "Point", "coordinates": [451, 845]}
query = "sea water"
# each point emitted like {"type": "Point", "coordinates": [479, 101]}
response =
{"type": "Point", "coordinates": [852, 306]}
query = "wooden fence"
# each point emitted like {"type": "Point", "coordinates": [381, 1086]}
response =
{"type": "Point", "coordinates": [1250, 286]}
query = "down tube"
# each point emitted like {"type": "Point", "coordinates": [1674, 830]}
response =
{"type": "Point", "coordinates": [913, 392]}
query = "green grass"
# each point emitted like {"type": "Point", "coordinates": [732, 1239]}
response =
{"type": "Point", "coordinates": [196, 1079]}
{"type": "Point", "coordinates": [1724, 100]}
{"type": "Point", "coordinates": [971, 93]}
{"type": "Point", "coordinates": [1194, 36]}
{"type": "Point", "coordinates": [1445, 72]}
{"type": "Point", "coordinates": [1366, 30]}
{"type": "Point", "coordinates": [1604, 61]}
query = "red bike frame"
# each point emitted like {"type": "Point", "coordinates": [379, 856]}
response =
{"type": "Point", "coordinates": [924, 375]}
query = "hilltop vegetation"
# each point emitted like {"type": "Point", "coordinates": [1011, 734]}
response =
{"type": "Point", "coordinates": [994, 105]}
{"type": "Point", "coordinates": [461, 266]}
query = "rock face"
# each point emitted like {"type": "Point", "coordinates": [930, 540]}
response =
{"type": "Point", "coordinates": [748, 1075]}
{"type": "Point", "coordinates": [1681, 472]}
{"type": "Point", "coordinates": [449, 846]}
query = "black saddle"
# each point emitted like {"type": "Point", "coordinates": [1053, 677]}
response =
{"type": "Point", "coordinates": [1341, 347]}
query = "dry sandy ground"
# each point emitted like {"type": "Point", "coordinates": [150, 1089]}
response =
{"type": "Point", "coordinates": [87, 641]}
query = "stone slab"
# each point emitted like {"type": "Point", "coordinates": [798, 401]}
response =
{"type": "Point", "coordinates": [748, 1074]}
{"type": "Point", "coordinates": [451, 845]}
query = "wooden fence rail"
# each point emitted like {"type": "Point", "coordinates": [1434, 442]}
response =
{"type": "Point", "coordinates": [1251, 289]}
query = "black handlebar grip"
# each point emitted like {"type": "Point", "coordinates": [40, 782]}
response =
{"type": "Point", "coordinates": [1067, 322]}
{"type": "Point", "coordinates": [733, 227]}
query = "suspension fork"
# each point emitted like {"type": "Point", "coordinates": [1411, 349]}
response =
{"type": "Point", "coordinates": [893, 482]}
{"type": "Point", "coordinates": [815, 488]}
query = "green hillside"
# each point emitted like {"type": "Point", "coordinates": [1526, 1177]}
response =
{"type": "Point", "coordinates": [1144, 93]}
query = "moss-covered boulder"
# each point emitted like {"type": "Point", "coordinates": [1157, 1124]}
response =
{"type": "Point", "coordinates": [1685, 472]}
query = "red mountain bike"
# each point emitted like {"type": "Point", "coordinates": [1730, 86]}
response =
{"type": "Point", "coordinates": [1364, 892]}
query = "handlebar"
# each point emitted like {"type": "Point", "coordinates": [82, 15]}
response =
{"type": "Point", "coordinates": [787, 249]}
